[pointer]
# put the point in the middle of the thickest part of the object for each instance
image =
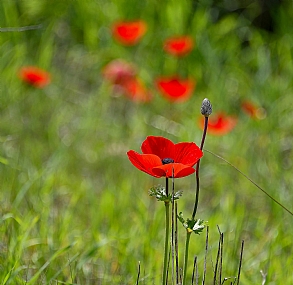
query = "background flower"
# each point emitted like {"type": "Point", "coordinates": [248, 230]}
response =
{"type": "Point", "coordinates": [135, 90]}
{"type": "Point", "coordinates": [178, 46]}
{"type": "Point", "coordinates": [175, 89]}
{"type": "Point", "coordinates": [129, 32]}
{"type": "Point", "coordinates": [219, 124]}
{"type": "Point", "coordinates": [35, 76]}
{"type": "Point", "coordinates": [253, 111]}
{"type": "Point", "coordinates": [119, 71]}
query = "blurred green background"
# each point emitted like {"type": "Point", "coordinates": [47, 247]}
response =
{"type": "Point", "coordinates": [73, 208]}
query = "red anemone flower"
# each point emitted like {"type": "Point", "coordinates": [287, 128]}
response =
{"type": "Point", "coordinates": [34, 76]}
{"type": "Point", "coordinates": [178, 46]}
{"type": "Point", "coordinates": [118, 71]}
{"type": "Point", "coordinates": [135, 90]}
{"type": "Point", "coordinates": [161, 157]}
{"type": "Point", "coordinates": [129, 33]}
{"type": "Point", "coordinates": [176, 89]}
{"type": "Point", "coordinates": [220, 124]}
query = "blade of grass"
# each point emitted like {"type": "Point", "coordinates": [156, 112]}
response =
{"type": "Point", "coordinates": [255, 184]}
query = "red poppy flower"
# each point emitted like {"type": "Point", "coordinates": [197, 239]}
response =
{"type": "Point", "coordinates": [119, 71]}
{"type": "Point", "coordinates": [252, 110]}
{"type": "Point", "coordinates": [135, 90]}
{"type": "Point", "coordinates": [178, 46]}
{"type": "Point", "coordinates": [34, 76]}
{"type": "Point", "coordinates": [176, 89]}
{"type": "Point", "coordinates": [129, 33]}
{"type": "Point", "coordinates": [220, 124]}
{"type": "Point", "coordinates": [161, 157]}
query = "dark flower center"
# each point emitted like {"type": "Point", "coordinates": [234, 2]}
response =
{"type": "Point", "coordinates": [167, 160]}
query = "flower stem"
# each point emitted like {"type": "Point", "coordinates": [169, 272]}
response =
{"type": "Point", "coordinates": [167, 232]}
{"type": "Point", "coordinates": [166, 250]}
{"type": "Point", "coordinates": [197, 167]}
{"type": "Point", "coordinates": [188, 234]}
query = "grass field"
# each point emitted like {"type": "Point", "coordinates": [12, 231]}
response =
{"type": "Point", "coordinates": [73, 208]}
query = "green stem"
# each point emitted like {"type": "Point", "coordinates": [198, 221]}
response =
{"type": "Point", "coordinates": [166, 251]}
{"type": "Point", "coordinates": [188, 234]}
{"type": "Point", "coordinates": [197, 167]}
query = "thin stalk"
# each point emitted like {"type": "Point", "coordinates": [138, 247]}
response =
{"type": "Point", "coordinates": [176, 245]}
{"type": "Point", "coordinates": [188, 234]}
{"type": "Point", "coordinates": [197, 167]}
{"type": "Point", "coordinates": [240, 262]}
{"type": "Point", "coordinates": [194, 272]}
{"type": "Point", "coordinates": [261, 189]}
{"type": "Point", "coordinates": [138, 273]}
{"type": "Point", "coordinates": [221, 258]}
{"type": "Point", "coordinates": [173, 233]}
{"type": "Point", "coordinates": [205, 257]}
{"type": "Point", "coordinates": [167, 228]}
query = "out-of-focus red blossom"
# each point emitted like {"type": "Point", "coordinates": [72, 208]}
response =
{"type": "Point", "coordinates": [135, 90]}
{"type": "Point", "coordinates": [162, 158]}
{"type": "Point", "coordinates": [252, 110]}
{"type": "Point", "coordinates": [178, 46]}
{"type": "Point", "coordinates": [123, 77]}
{"type": "Point", "coordinates": [175, 89]}
{"type": "Point", "coordinates": [118, 71]}
{"type": "Point", "coordinates": [219, 124]}
{"type": "Point", "coordinates": [129, 32]}
{"type": "Point", "coordinates": [34, 76]}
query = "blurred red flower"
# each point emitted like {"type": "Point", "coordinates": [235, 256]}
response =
{"type": "Point", "coordinates": [35, 76]}
{"type": "Point", "coordinates": [135, 90]}
{"type": "Point", "coordinates": [123, 76]}
{"type": "Point", "coordinates": [249, 108]}
{"type": "Point", "coordinates": [220, 124]}
{"type": "Point", "coordinates": [252, 110]}
{"type": "Point", "coordinates": [178, 46]}
{"type": "Point", "coordinates": [175, 89]}
{"type": "Point", "coordinates": [129, 32]}
{"type": "Point", "coordinates": [161, 157]}
{"type": "Point", "coordinates": [118, 71]}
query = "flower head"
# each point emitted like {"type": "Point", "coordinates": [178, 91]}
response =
{"type": "Point", "coordinates": [176, 89]}
{"type": "Point", "coordinates": [206, 107]}
{"type": "Point", "coordinates": [220, 124]}
{"type": "Point", "coordinates": [178, 46]}
{"type": "Point", "coordinates": [34, 76]}
{"type": "Point", "coordinates": [129, 32]}
{"type": "Point", "coordinates": [161, 157]}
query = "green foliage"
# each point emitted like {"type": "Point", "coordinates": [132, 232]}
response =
{"type": "Point", "coordinates": [191, 225]}
{"type": "Point", "coordinates": [160, 193]}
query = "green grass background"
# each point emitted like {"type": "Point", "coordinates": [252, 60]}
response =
{"type": "Point", "coordinates": [73, 208]}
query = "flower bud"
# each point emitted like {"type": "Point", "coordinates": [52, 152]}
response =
{"type": "Point", "coordinates": [206, 107]}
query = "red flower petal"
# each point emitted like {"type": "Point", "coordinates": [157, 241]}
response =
{"type": "Point", "coordinates": [187, 153]}
{"type": "Point", "coordinates": [179, 170]}
{"type": "Point", "coordinates": [159, 150]}
{"type": "Point", "coordinates": [159, 146]}
{"type": "Point", "coordinates": [129, 33]}
{"type": "Point", "coordinates": [178, 46]}
{"type": "Point", "coordinates": [220, 124]}
{"type": "Point", "coordinates": [35, 76]}
{"type": "Point", "coordinates": [144, 162]}
{"type": "Point", "coordinates": [136, 91]}
{"type": "Point", "coordinates": [175, 89]}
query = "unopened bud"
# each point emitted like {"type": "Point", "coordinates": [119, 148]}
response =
{"type": "Point", "coordinates": [206, 107]}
